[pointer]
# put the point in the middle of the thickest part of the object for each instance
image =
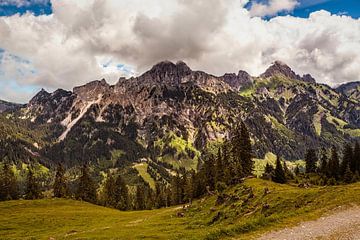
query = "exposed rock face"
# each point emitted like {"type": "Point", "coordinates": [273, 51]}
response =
{"type": "Point", "coordinates": [280, 68]}
{"type": "Point", "coordinates": [351, 90]}
{"type": "Point", "coordinates": [8, 106]}
{"type": "Point", "coordinates": [237, 81]}
{"type": "Point", "coordinates": [171, 113]}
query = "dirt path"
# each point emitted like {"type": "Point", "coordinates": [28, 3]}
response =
{"type": "Point", "coordinates": [343, 224]}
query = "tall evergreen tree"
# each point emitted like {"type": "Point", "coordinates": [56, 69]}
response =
{"type": "Point", "coordinates": [323, 168]}
{"type": "Point", "coordinates": [210, 172]}
{"type": "Point", "coordinates": [110, 192]}
{"type": "Point", "coordinates": [219, 168]}
{"type": "Point", "coordinates": [176, 189]}
{"type": "Point", "coordinates": [59, 186]}
{"type": "Point", "coordinates": [140, 203]}
{"type": "Point", "coordinates": [121, 194]}
{"type": "Point", "coordinates": [348, 175]}
{"type": "Point", "coordinates": [334, 164]}
{"type": "Point", "coordinates": [8, 184]}
{"type": "Point", "coordinates": [268, 172]}
{"type": "Point", "coordinates": [310, 161]}
{"type": "Point", "coordinates": [236, 154]}
{"type": "Point", "coordinates": [245, 151]}
{"type": "Point", "coordinates": [32, 186]}
{"type": "Point", "coordinates": [160, 197]}
{"type": "Point", "coordinates": [347, 159]}
{"type": "Point", "coordinates": [86, 188]}
{"type": "Point", "coordinates": [279, 173]}
{"type": "Point", "coordinates": [356, 158]}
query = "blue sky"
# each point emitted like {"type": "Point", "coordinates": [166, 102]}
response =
{"type": "Point", "coordinates": [343, 7]}
{"type": "Point", "coordinates": [11, 7]}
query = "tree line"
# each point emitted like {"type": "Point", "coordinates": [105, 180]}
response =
{"type": "Point", "coordinates": [321, 167]}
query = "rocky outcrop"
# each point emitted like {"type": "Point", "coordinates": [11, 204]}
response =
{"type": "Point", "coordinates": [280, 68]}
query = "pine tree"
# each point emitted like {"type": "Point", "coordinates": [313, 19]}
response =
{"type": "Point", "coordinates": [323, 169]}
{"type": "Point", "coordinates": [160, 198]}
{"type": "Point", "coordinates": [8, 184]}
{"type": "Point", "coordinates": [229, 169]}
{"type": "Point", "coordinates": [189, 186]}
{"type": "Point", "coordinates": [32, 186]}
{"type": "Point", "coordinates": [176, 189]}
{"type": "Point", "coordinates": [288, 173]}
{"type": "Point", "coordinates": [121, 194]}
{"type": "Point", "coordinates": [219, 168]}
{"type": "Point", "coordinates": [60, 188]}
{"type": "Point", "coordinates": [236, 152]}
{"type": "Point", "coordinates": [210, 172]}
{"type": "Point", "coordinates": [110, 192]}
{"type": "Point", "coordinates": [279, 174]}
{"type": "Point", "coordinates": [245, 151]}
{"type": "Point", "coordinates": [334, 164]}
{"type": "Point", "coordinates": [310, 161]}
{"type": "Point", "coordinates": [348, 175]}
{"type": "Point", "coordinates": [347, 159]}
{"type": "Point", "coordinates": [86, 188]}
{"type": "Point", "coordinates": [356, 157]}
{"type": "Point", "coordinates": [268, 171]}
{"type": "Point", "coordinates": [140, 198]}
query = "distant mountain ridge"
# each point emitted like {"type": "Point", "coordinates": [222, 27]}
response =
{"type": "Point", "coordinates": [5, 106]}
{"type": "Point", "coordinates": [172, 113]}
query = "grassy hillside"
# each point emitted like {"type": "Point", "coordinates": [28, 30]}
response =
{"type": "Point", "coordinates": [245, 212]}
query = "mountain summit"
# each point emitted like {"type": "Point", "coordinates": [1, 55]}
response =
{"type": "Point", "coordinates": [280, 68]}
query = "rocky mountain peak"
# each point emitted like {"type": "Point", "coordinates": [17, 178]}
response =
{"type": "Point", "coordinates": [280, 68]}
{"type": "Point", "coordinates": [40, 97]}
{"type": "Point", "coordinates": [277, 68]}
{"type": "Point", "coordinates": [236, 81]}
{"type": "Point", "coordinates": [92, 89]}
{"type": "Point", "coordinates": [167, 73]}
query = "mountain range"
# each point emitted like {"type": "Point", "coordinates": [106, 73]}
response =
{"type": "Point", "coordinates": [171, 114]}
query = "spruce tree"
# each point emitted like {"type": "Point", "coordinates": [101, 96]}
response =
{"type": "Point", "coordinates": [176, 189]}
{"type": "Point", "coordinates": [279, 174]}
{"type": "Point", "coordinates": [160, 198]}
{"type": "Point", "coordinates": [333, 165]}
{"type": "Point", "coordinates": [347, 160]}
{"type": "Point", "coordinates": [268, 171]}
{"type": "Point", "coordinates": [8, 184]}
{"type": "Point", "coordinates": [229, 169]}
{"type": "Point", "coordinates": [210, 172]}
{"type": "Point", "coordinates": [110, 192]}
{"type": "Point", "coordinates": [356, 157]}
{"type": "Point", "coordinates": [323, 168]}
{"type": "Point", "coordinates": [219, 168]}
{"type": "Point", "coordinates": [245, 151]}
{"type": "Point", "coordinates": [310, 161]}
{"type": "Point", "coordinates": [121, 194]}
{"type": "Point", "coordinates": [236, 154]}
{"type": "Point", "coordinates": [348, 175]}
{"type": "Point", "coordinates": [32, 186]}
{"type": "Point", "coordinates": [86, 188]}
{"type": "Point", "coordinates": [60, 188]}
{"type": "Point", "coordinates": [140, 198]}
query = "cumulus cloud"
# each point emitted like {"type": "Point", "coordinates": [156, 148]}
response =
{"type": "Point", "coordinates": [85, 40]}
{"type": "Point", "coordinates": [272, 7]}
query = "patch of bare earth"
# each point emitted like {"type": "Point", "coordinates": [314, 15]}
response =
{"type": "Point", "coordinates": [341, 224]}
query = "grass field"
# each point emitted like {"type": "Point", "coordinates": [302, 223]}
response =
{"type": "Point", "coordinates": [241, 215]}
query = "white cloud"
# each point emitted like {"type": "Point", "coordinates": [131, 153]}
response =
{"type": "Point", "coordinates": [272, 7]}
{"type": "Point", "coordinates": [70, 46]}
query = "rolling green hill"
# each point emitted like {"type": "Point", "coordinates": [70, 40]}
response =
{"type": "Point", "coordinates": [244, 211]}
